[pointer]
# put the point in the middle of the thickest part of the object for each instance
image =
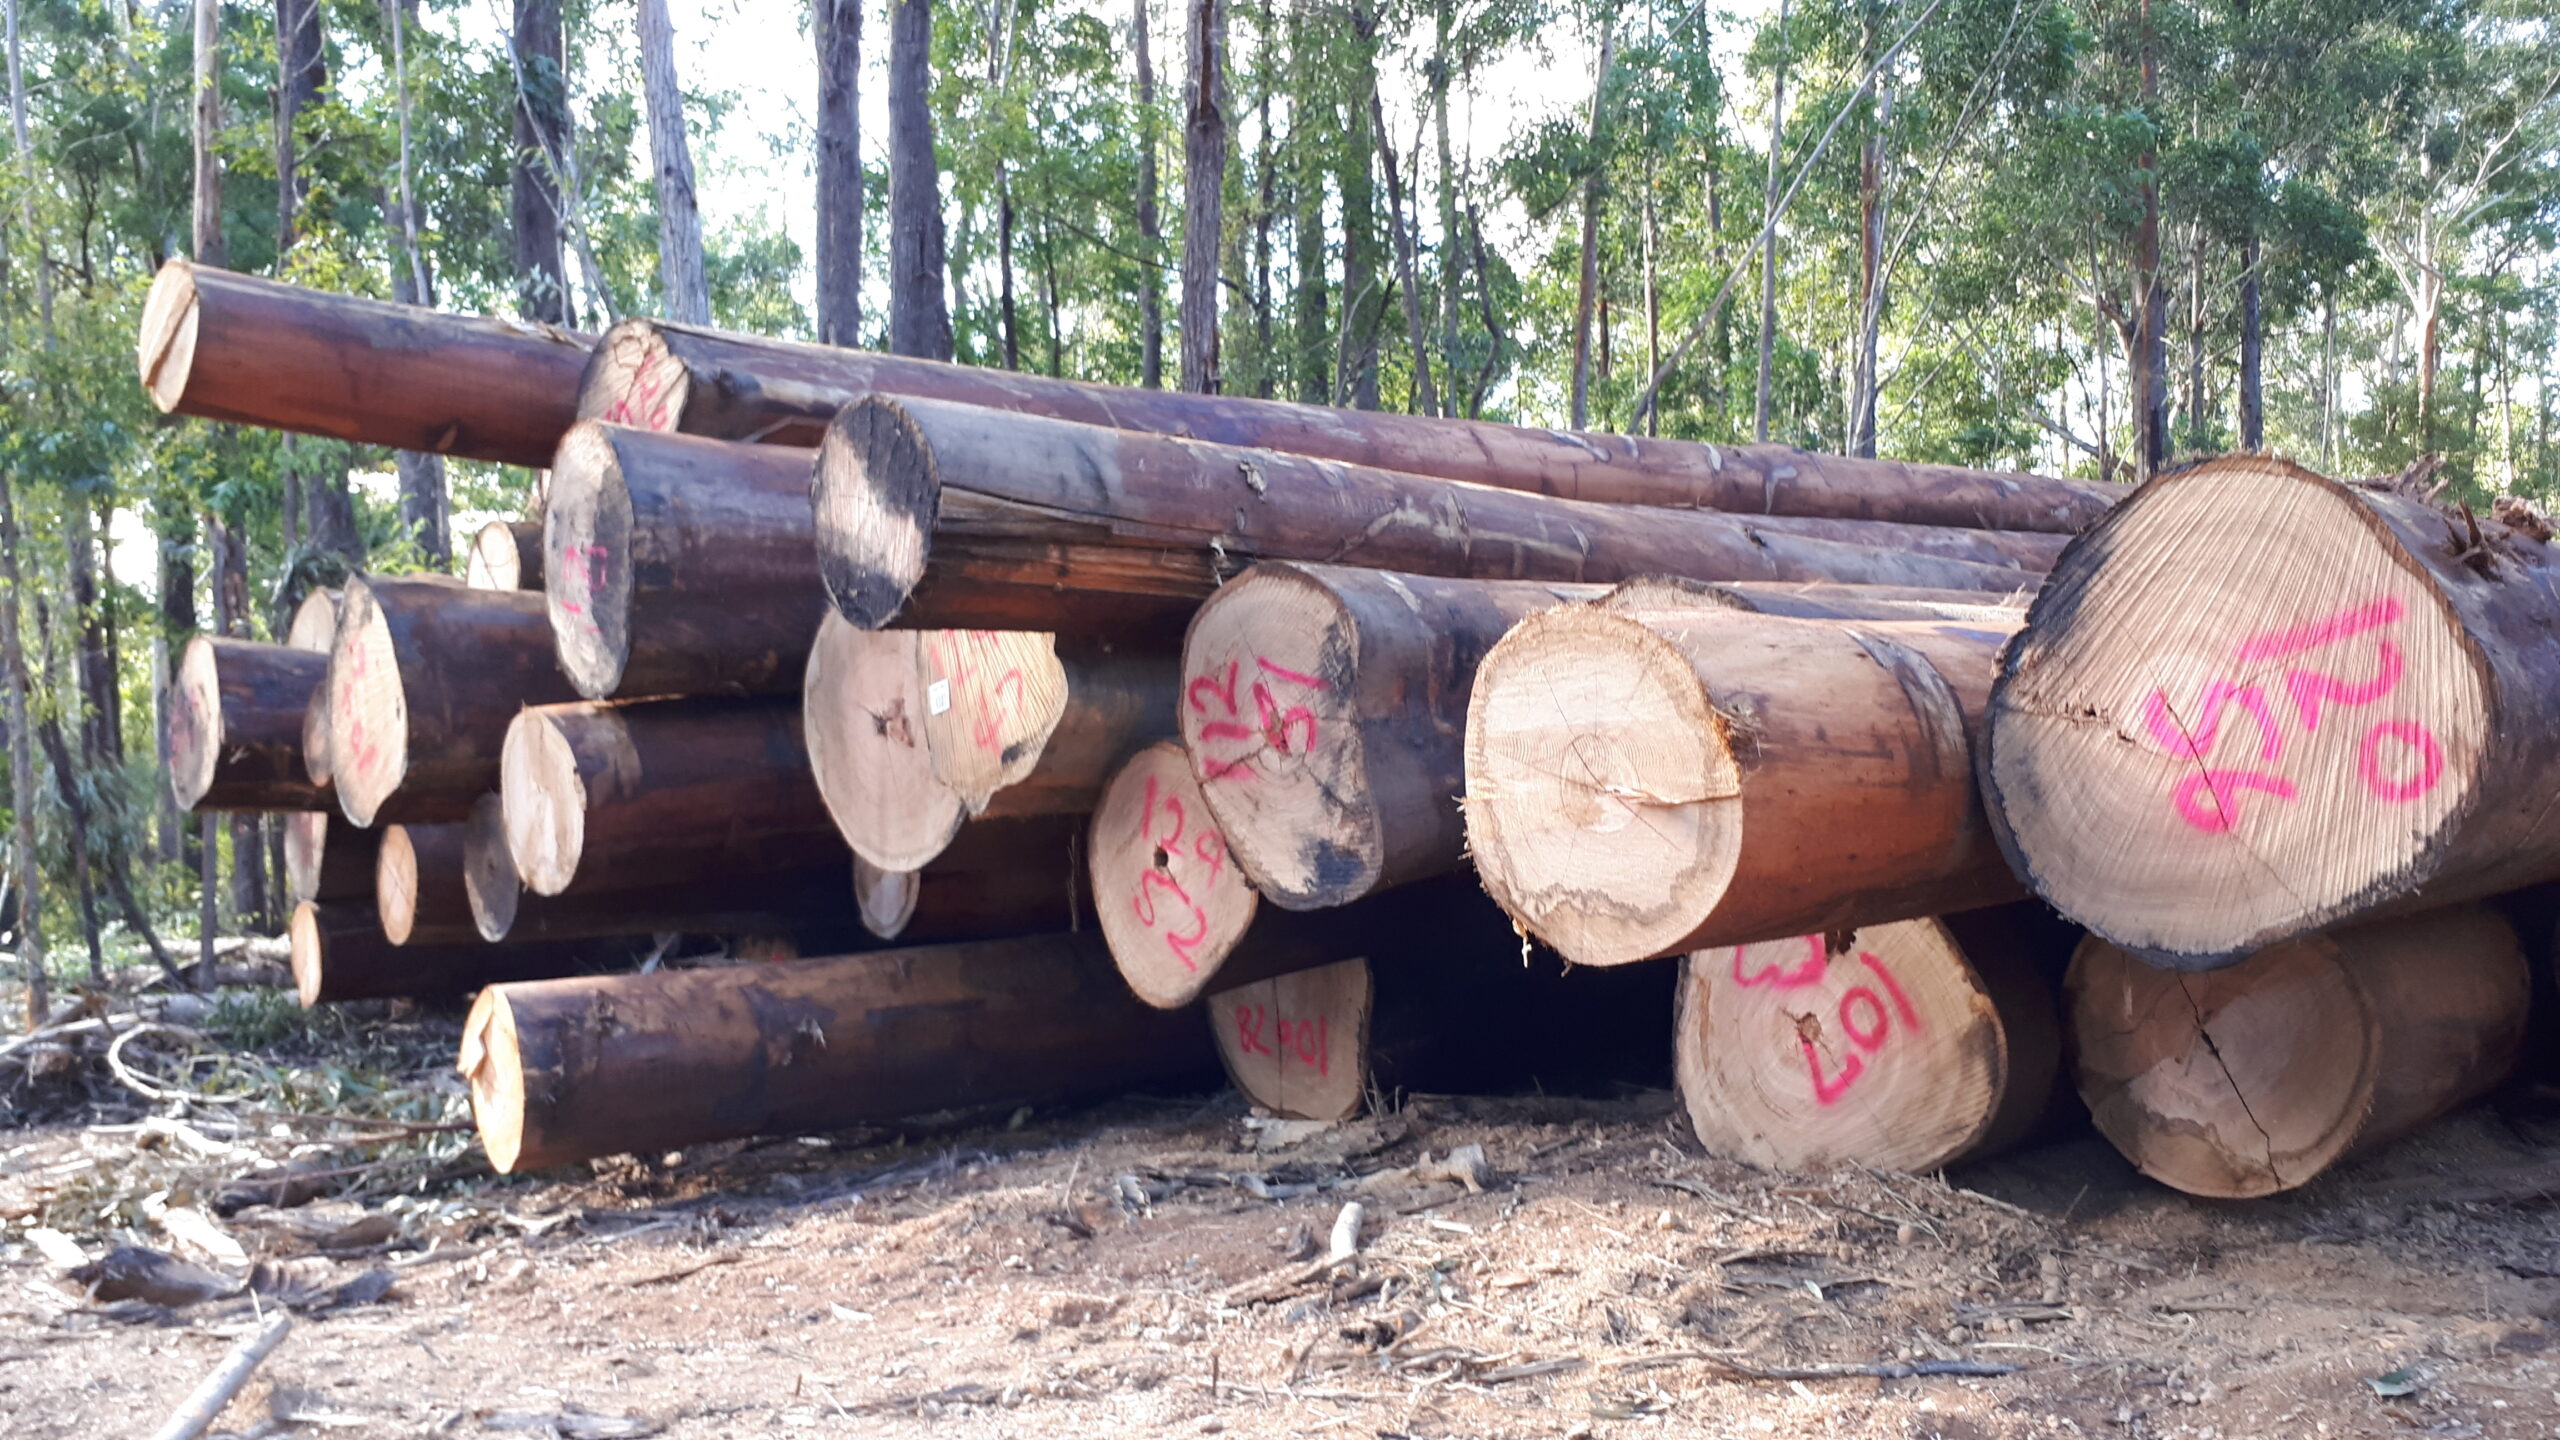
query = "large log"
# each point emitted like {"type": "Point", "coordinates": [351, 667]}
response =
{"type": "Point", "coordinates": [505, 555]}
{"type": "Point", "coordinates": [659, 376]}
{"type": "Point", "coordinates": [573, 1069]}
{"type": "Point", "coordinates": [1905, 1046]}
{"type": "Point", "coordinates": [999, 878]}
{"type": "Point", "coordinates": [863, 699]}
{"type": "Point", "coordinates": [2260, 1076]}
{"type": "Point", "coordinates": [224, 346]}
{"type": "Point", "coordinates": [2256, 701]}
{"type": "Point", "coordinates": [679, 566]}
{"type": "Point", "coordinates": [1648, 784]}
{"type": "Point", "coordinates": [339, 953]}
{"type": "Point", "coordinates": [418, 890]}
{"type": "Point", "coordinates": [901, 482]}
{"type": "Point", "coordinates": [235, 725]}
{"type": "Point", "coordinates": [426, 677]}
{"type": "Point", "coordinates": [602, 797]}
{"type": "Point", "coordinates": [1325, 708]}
{"type": "Point", "coordinates": [329, 857]}
{"type": "Point", "coordinates": [1019, 726]}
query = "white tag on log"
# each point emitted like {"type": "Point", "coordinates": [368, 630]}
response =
{"type": "Point", "coordinates": [937, 697]}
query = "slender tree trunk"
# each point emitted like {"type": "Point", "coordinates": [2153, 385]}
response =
{"type": "Point", "coordinates": [177, 620]}
{"type": "Point", "coordinates": [541, 135]}
{"type": "Point", "coordinates": [1362, 301]}
{"type": "Point", "coordinates": [1769, 252]}
{"type": "Point", "coordinates": [301, 73]}
{"type": "Point", "coordinates": [1408, 276]}
{"type": "Point", "coordinates": [2199, 426]}
{"type": "Point", "coordinates": [67, 770]}
{"type": "Point", "coordinates": [2253, 405]}
{"type": "Point", "coordinates": [1265, 210]}
{"type": "Point", "coordinates": [680, 270]}
{"type": "Point", "coordinates": [1590, 279]}
{"type": "Point", "coordinates": [839, 28]}
{"type": "Point", "coordinates": [1150, 226]}
{"type": "Point", "coordinates": [99, 748]}
{"type": "Point", "coordinates": [1000, 38]}
{"type": "Point", "coordinates": [1308, 320]}
{"type": "Point", "coordinates": [2146, 366]}
{"type": "Point", "coordinates": [919, 316]}
{"type": "Point", "coordinates": [1652, 293]}
{"type": "Point", "coordinates": [1871, 281]}
{"type": "Point", "coordinates": [1204, 165]}
{"type": "Point", "coordinates": [1452, 273]}
{"type": "Point", "coordinates": [27, 178]}
{"type": "Point", "coordinates": [209, 249]}
{"type": "Point", "coordinates": [22, 765]}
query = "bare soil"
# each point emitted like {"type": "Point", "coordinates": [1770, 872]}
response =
{"type": "Point", "coordinates": [1153, 1267]}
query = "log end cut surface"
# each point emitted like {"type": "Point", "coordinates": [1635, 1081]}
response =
{"type": "Point", "coordinates": [492, 1062]}
{"type": "Point", "coordinates": [1270, 716]}
{"type": "Point", "coordinates": [489, 870]}
{"type": "Point", "coordinates": [495, 563]}
{"type": "Point", "coordinates": [1171, 904]}
{"type": "Point", "coordinates": [315, 622]}
{"type": "Point", "coordinates": [368, 708]}
{"type": "Point", "coordinates": [195, 723]}
{"type": "Point", "coordinates": [395, 883]}
{"type": "Point", "coordinates": [166, 349]}
{"type": "Point", "coordinates": [307, 949]}
{"type": "Point", "coordinates": [634, 380]}
{"type": "Point", "coordinates": [1883, 1051]}
{"type": "Point", "coordinates": [545, 803]}
{"type": "Point", "coordinates": [1603, 795]}
{"type": "Point", "coordinates": [887, 898]}
{"type": "Point", "coordinates": [586, 556]}
{"type": "Point", "coordinates": [863, 703]}
{"type": "Point", "coordinates": [1297, 1045]}
{"type": "Point", "coordinates": [2240, 708]}
{"type": "Point", "coordinates": [876, 497]}
{"type": "Point", "coordinates": [992, 699]}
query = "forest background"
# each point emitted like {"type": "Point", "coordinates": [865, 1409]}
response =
{"type": "Point", "coordinates": [2084, 237]}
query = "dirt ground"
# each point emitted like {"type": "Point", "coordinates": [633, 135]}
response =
{"type": "Point", "coordinates": [1156, 1266]}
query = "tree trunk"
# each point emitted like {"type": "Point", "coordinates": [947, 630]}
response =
{"type": "Point", "coordinates": [1871, 280]}
{"type": "Point", "coordinates": [22, 770]}
{"type": "Point", "coordinates": [685, 287]}
{"type": "Point", "coordinates": [1426, 400]}
{"type": "Point", "coordinates": [2146, 358]}
{"type": "Point", "coordinates": [1204, 178]}
{"type": "Point", "coordinates": [679, 566]}
{"type": "Point", "coordinates": [235, 726]}
{"type": "Point", "coordinates": [919, 318]}
{"type": "Point", "coordinates": [209, 248]}
{"type": "Point", "coordinates": [1311, 360]}
{"type": "Point", "coordinates": [1452, 286]}
{"type": "Point", "coordinates": [2398, 701]}
{"type": "Point", "coordinates": [1760, 410]}
{"type": "Point", "coordinates": [100, 706]}
{"type": "Point", "coordinates": [424, 510]}
{"type": "Point", "coordinates": [541, 113]}
{"type": "Point", "coordinates": [301, 73]}
{"type": "Point", "coordinates": [231, 348]}
{"type": "Point", "coordinates": [506, 555]}
{"type": "Point", "coordinates": [2413, 1016]}
{"type": "Point", "coordinates": [1907, 1046]}
{"type": "Point", "coordinates": [1363, 303]}
{"type": "Point", "coordinates": [339, 953]}
{"type": "Point", "coordinates": [2253, 404]}
{"type": "Point", "coordinates": [1150, 228]}
{"type": "Point", "coordinates": [810, 1045]}
{"type": "Point", "coordinates": [1588, 288]}
{"type": "Point", "coordinates": [175, 526]}
{"type": "Point", "coordinates": [838, 26]}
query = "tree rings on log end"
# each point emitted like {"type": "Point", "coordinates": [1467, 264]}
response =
{"type": "Point", "coordinates": [1297, 1045]}
{"type": "Point", "coordinates": [586, 557]}
{"type": "Point", "coordinates": [395, 883]}
{"type": "Point", "coordinates": [863, 707]}
{"type": "Point", "coordinates": [307, 949]}
{"type": "Point", "coordinates": [493, 1064]}
{"type": "Point", "coordinates": [886, 898]}
{"type": "Point", "coordinates": [505, 555]}
{"type": "Point", "coordinates": [1171, 905]}
{"type": "Point", "coordinates": [876, 497]}
{"type": "Point", "coordinates": [489, 869]}
{"type": "Point", "coordinates": [2242, 708]}
{"type": "Point", "coordinates": [166, 347]}
{"type": "Point", "coordinates": [1603, 793]}
{"type": "Point", "coordinates": [2255, 1078]}
{"type": "Point", "coordinates": [315, 622]}
{"type": "Point", "coordinates": [1884, 1047]}
{"type": "Point", "coordinates": [1269, 713]}
{"type": "Point", "coordinates": [633, 380]}
{"type": "Point", "coordinates": [368, 708]}
{"type": "Point", "coordinates": [992, 699]}
{"type": "Point", "coordinates": [306, 845]}
{"type": "Point", "coordinates": [544, 800]}
{"type": "Point", "coordinates": [195, 723]}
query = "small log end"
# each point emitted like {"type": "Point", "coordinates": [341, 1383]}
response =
{"type": "Point", "coordinates": [876, 495]}
{"type": "Point", "coordinates": [166, 348]}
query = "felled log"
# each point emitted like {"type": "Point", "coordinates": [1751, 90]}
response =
{"type": "Point", "coordinates": [339, 953]}
{"type": "Point", "coordinates": [572, 1069]}
{"type": "Point", "coordinates": [2258, 1077]}
{"type": "Point", "coordinates": [659, 376]}
{"type": "Point", "coordinates": [998, 878]}
{"type": "Point", "coordinates": [315, 622]}
{"type": "Point", "coordinates": [505, 555]}
{"type": "Point", "coordinates": [621, 797]}
{"type": "Point", "coordinates": [862, 700]}
{"type": "Point", "coordinates": [1644, 785]}
{"type": "Point", "coordinates": [932, 514]}
{"type": "Point", "coordinates": [426, 677]}
{"type": "Point", "coordinates": [329, 857]}
{"type": "Point", "coordinates": [418, 890]}
{"type": "Point", "coordinates": [235, 725]}
{"type": "Point", "coordinates": [679, 566]}
{"type": "Point", "coordinates": [2195, 761]}
{"type": "Point", "coordinates": [1905, 1046]}
{"type": "Point", "coordinates": [226, 346]}
{"type": "Point", "coordinates": [315, 628]}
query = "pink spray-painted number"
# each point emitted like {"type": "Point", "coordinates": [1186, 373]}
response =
{"type": "Point", "coordinates": [1867, 1019]}
{"type": "Point", "coordinates": [578, 567]}
{"type": "Point", "coordinates": [1275, 724]}
{"type": "Point", "coordinates": [1307, 1041]}
{"type": "Point", "coordinates": [1208, 847]}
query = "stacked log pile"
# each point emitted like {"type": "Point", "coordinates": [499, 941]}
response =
{"type": "Point", "coordinates": [1362, 753]}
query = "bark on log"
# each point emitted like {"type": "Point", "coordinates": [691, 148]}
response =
{"type": "Point", "coordinates": [900, 481]}
{"type": "Point", "coordinates": [999, 878]}
{"type": "Point", "coordinates": [339, 953]}
{"type": "Point", "coordinates": [426, 677]}
{"type": "Point", "coordinates": [1644, 785]}
{"type": "Point", "coordinates": [622, 797]}
{"type": "Point", "coordinates": [329, 858]}
{"type": "Point", "coordinates": [418, 890]}
{"type": "Point", "coordinates": [505, 555]}
{"type": "Point", "coordinates": [224, 346]}
{"type": "Point", "coordinates": [235, 726]}
{"type": "Point", "coordinates": [570, 1070]}
{"type": "Point", "coordinates": [658, 376]}
{"type": "Point", "coordinates": [2196, 762]}
{"type": "Point", "coordinates": [1904, 1046]}
{"type": "Point", "coordinates": [2260, 1076]}
{"type": "Point", "coordinates": [679, 566]}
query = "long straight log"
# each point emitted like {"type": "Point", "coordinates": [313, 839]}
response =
{"type": "Point", "coordinates": [235, 725]}
{"type": "Point", "coordinates": [505, 555]}
{"type": "Point", "coordinates": [900, 482]}
{"type": "Point", "coordinates": [328, 857]}
{"type": "Point", "coordinates": [621, 797]}
{"type": "Point", "coordinates": [1905, 1046]}
{"type": "Point", "coordinates": [339, 953]}
{"type": "Point", "coordinates": [2255, 702]}
{"type": "Point", "coordinates": [679, 566]}
{"type": "Point", "coordinates": [424, 682]}
{"type": "Point", "coordinates": [1325, 708]}
{"type": "Point", "coordinates": [657, 376]}
{"type": "Point", "coordinates": [1644, 785]}
{"type": "Point", "coordinates": [572, 1069]}
{"type": "Point", "coordinates": [225, 346]}
{"type": "Point", "coordinates": [418, 890]}
{"type": "Point", "coordinates": [2258, 1077]}
{"type": "Point", "coordinates": [998, 878]}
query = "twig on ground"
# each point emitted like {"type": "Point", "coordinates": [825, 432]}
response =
{"type": "Point", "coordinates": [198, 1413]}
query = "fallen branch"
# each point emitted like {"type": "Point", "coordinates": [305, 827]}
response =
{"type": "Point", "coordinates": [197, 1414]}
{"type": "Point", "coordinates": [1872, 1370]}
